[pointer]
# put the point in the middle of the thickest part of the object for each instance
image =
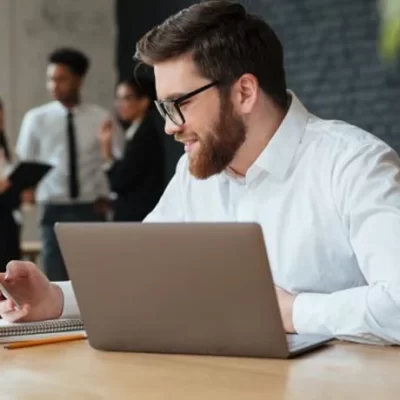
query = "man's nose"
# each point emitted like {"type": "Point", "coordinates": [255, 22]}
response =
{"type": "Point", "coordinates": [171, 128]}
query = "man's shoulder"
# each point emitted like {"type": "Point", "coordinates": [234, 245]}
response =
{"type": "Point", "coordinates": [340, 149]}
{"type": "Point", "coordinates": [35, 117]}
{"type": "Point", "coordinates": [41, 110]}
{"type": "Point", "coordinates": [340, 137]}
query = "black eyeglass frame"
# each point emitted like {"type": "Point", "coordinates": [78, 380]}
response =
{"type": "Point", "coordinates": [160, 104]}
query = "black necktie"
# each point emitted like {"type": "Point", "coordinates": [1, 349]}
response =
{"type": "Point", "coordinates": [73, 157]}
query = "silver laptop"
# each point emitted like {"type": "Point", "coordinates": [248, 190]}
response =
{"type": "Point", "coordinates": [193, 288]}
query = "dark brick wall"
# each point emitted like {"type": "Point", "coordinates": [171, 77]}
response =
{"type": "Point", "coordinates": [332, 61]}
{"type": "Point", "coordinates": [331, 58]}
{"type": "Point", "coordinates": [134, 18]}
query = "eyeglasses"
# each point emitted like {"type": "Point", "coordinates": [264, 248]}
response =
{"type": "Point", "coordinates": [170, 107]}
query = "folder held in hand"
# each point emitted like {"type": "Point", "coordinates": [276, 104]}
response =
{"type": "Point", "coordinates": [28, 174]}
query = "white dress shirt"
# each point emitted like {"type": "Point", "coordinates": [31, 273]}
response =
{"type": "Point", "coordinates": [131, 131]}
{"type": "Point", "coordinates": [327, 196]}
{"type": "Point", "coordinates": [43, 137]}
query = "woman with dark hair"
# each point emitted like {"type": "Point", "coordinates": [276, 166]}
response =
{"type": "Point", "coordinates": [9, 204]}
{"type": "Point", "coordinates": [137, 176]}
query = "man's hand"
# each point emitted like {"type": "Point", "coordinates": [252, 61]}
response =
{"type": "Point", "coordinates": [285, 301]}
{"type": "Point", "coordinates": [39, 298]}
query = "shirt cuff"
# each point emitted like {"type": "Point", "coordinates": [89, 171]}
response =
{"type": "Point", "coordinates": [307, 316]}
{"type": "Point", "coordinates": [70, 308]}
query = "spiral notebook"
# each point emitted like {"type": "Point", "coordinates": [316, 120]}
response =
{"type": "Point", "coordinates": [12, 332]}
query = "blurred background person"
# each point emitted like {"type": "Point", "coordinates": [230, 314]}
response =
{"type": "Point", "coordinates": [136, 176]}
{"type": "Point", "coordinates": [9, 205]}
{"type": "Point", "coordinates": [64, 133]}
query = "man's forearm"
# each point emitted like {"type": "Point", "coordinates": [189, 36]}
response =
{"type": "Point", "coordinates": [368, 314]}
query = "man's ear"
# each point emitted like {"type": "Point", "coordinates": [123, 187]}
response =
{"type": "Point", "coordinates": [245, 93]}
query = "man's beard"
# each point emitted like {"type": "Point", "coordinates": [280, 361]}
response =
{"type": "Point", "coordinates": [218, 149]}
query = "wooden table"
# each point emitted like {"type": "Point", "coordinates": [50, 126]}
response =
{"type": "Point", "coordinates": [75, 371]}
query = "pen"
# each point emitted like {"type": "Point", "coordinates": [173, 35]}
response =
{"type": "Point", "coordinates": [39, 342]}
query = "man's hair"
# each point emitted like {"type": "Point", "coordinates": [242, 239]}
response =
{"type": "Point", "coordinates": [74, 59]}
{"type": "Point", "coordinates": [225, 42]}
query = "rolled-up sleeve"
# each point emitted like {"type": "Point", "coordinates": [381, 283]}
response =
{"type": "Point", "coordinates": [366, 191]}
{"type": "Point", "coordinates": [70, 307]}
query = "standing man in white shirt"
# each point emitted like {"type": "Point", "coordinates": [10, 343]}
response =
{"type": "Point", "coordinates": [64, 133]}
{"type": "Point", "coordinates": [327, 194]}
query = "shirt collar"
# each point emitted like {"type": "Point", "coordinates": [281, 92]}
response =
{"type": "Point", "coordinates": [130, 132]}
{"type": "Point", "coordinates": [75, 110]}
{"type": "Point", "coordinates": [278, 155]}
